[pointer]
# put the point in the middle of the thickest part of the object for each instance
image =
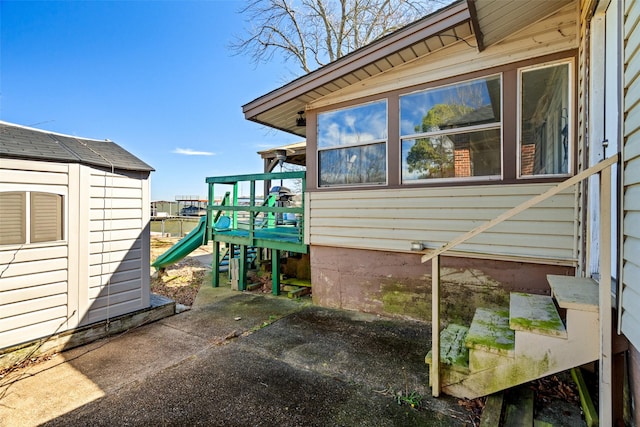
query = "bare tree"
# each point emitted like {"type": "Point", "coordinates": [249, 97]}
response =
{"type": "Point", "coordinates": [316, 32]}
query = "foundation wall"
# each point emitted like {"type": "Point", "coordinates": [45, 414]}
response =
{"type": "Point", "coordinates": [398, 284]}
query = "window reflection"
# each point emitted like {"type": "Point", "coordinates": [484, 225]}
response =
{"type": "Point", "coordinates": [352, 145]}
{"type": "Point", "coordinates": [452, 131]}
{"type": "Point", "coordinates": [353, 126]}
{"type": "Point", "coordinates": [544, 127]}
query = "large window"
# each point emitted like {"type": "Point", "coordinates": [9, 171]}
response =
{"type": "Point", "coordinates": [352, 145]}
{"type": "Point", "coordinates": [545, 120]}
{"type": "Point", "coordinates": [452, 131]}
{"type": "Point", "coordinates": [39, 220]}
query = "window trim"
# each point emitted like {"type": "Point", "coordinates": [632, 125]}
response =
{"type": "Point", "coordinates": [28, 218]}
{"type": "Point", "coordinates": [571, 119]}
{"type": "Point", "coordinates": [467, 129]}
{"type": "Point", "coordinates": [509, 133]}
{"type": "Point", "coordinates": [370, 142]}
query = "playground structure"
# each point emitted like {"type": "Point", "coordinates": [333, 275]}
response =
{"type": "Point", "coordinates": [273, 224]}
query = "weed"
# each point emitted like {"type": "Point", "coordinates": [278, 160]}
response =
{"type": "Point", "coordinates": [413, 399]}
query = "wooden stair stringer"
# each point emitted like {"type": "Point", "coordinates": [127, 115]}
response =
{"type": "Point", "coordinates": [511, 372]}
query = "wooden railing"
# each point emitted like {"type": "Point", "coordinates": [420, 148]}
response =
{"type": "Point", "coordinates": [604, 169]}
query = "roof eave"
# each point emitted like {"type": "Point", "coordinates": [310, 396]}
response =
{"type": "Point", "coordinates": [431, 25]}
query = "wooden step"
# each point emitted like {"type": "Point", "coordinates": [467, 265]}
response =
{"type": "Point", "coordinates": [453, 352]}
{"type": "Point", "coordinates": [536, 314]}
{"type": "Point", "coordinates": [490, 332]}
{"type": "Point", "coordinates": [578, 293]}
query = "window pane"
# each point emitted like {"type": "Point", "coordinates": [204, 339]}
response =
{"type": "Point", "coordinates": [46, 217]}
{"type": "Point", "coordinates": [354, 165]}
{"type": "Point", "coordinates": [544, 138]}
{"type": "Point", "coordinates": [471, 103]}
{"type": "Point", "coordinates": [12, 218]}
{"type": "Point", "coordinates": [452, 156]}
{"type": "Point", "coordinates": [357, 125]}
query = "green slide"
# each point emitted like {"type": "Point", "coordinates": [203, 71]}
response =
{"type": "Point", "coordinates": [186, 245]}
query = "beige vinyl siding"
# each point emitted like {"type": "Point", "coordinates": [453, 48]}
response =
{"type": "Point", "coordinates": [392, 219]}
{"type": "Point", "coordinates": [556, 33]}
{"type": "Point", "coordinates": [34, 279]}
{"type": "Point", "coordinates": [116, 271]}
{"type": "Point", "coordinates": [631, 175]}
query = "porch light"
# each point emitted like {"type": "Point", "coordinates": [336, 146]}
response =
{"type": "Point", "coordinates": [301, 121]}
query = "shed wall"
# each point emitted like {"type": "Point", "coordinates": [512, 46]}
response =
{"type": "Point", "coordinates": [118, 262]}
{"type": "Point", "coordinates": [34, 280]}
{"type": "Point", "coordinates": [99, 270]}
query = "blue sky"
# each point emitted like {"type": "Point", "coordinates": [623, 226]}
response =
{"type": "Point", "coordinates": [156, 77]}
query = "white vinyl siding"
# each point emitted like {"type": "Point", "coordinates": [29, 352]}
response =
{"type": "Point", "coordinates": [392, 219]}
{"type": "Point", "coordinates": [52, 286]}
{"type": "Point", "coordinates": [116, 260]}
{"type": "Point", "coordinates": [631, 175]}
{"type": "Point", "coordinates": [34, 281]}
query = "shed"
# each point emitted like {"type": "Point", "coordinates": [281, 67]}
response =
{"type": "Point", "coordinates": [74, 233]}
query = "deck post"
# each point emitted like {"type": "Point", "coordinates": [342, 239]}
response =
{"type": "Point", "coordinates": [275, 271]}
{"type": "Point", "coordinates": [242, 267]}
{"type": "Point", "coordinates": [435, 326]}
{"type": "Point", "coordinates": [606, 357]}
{"type": "Point", "coordinates": [215, 274]}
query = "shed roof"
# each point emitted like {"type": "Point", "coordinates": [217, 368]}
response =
{"type": "Point", "coordinates": [484, 22]}
{"type": "Point", "coordinates": [22, 142]}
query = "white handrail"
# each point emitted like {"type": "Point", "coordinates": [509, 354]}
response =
{"type": "Point", "coordinates": [434, 256]}
{"type": "Point", "coordinates": [430, 253]}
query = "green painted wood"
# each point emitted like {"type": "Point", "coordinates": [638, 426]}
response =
{"type": "Point", "coordinates": [589, 409]}
{"type": "Point", "coordinates": [242, 269]}
{"type": "Point", "coordinates": [492, 410]}
{"type": "Point", "coordinates": [275, 272]}
{"type": "Point", "coordinates": [519, 407]}
{"type": "Point", "coordinates": [232, 179]}
{"type": "Point", "coordinates": [490, 332]}
{"type": "Point", "coordinates": [215, 274]}
{"type": "Point", "coordinates": [536, 314]}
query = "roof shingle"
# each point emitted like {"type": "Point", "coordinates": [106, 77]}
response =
{"type": "Point", "coordinates": [34, 144]}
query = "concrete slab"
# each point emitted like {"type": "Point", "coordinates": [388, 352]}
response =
{"type": "Point", "coordinates": [578, 293]}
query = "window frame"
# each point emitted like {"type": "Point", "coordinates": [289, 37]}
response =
{"type": "Point", "coordinates": [29, 221]}
{"type": "Point", "coordinates": [461, 130]}
{"type": "Point", "coordinates": [372, 142]}
{"type": "Point", "coordinates": [510, 157]}
{"type": "Point", "coordinates": [571, 119]}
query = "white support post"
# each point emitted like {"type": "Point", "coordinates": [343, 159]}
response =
{"type": "Point", "coordinates": [435, 326]}
{"type": "Point", "coordinates": [604, 380]}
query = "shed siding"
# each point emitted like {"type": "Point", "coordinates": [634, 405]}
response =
{"type": "Point", "coordinates": [556, 33]}
{"type": "Point", "coordinates": [631, 175]}
{"type": "Point", "coordinates": [116, 272]}
{"type": "Point", "coordinates": [34, 281]}
{"type": "Point", "coordinates": [392, 219]}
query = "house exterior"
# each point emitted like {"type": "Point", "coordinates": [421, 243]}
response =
{"type": "Point", "coordinates": [74, 233]}
{"type": "Point", "coordinates": [446, 124]}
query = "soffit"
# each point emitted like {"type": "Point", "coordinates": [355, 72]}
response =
{"type": "Point", "coordinates": [498, 19]}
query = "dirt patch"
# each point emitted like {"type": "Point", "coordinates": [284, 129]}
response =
{"type": "Point", "coordinates": [182, 280]}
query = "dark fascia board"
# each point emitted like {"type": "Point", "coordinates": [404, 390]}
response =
{"type": "Point", "coordinates": [424, 28]}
